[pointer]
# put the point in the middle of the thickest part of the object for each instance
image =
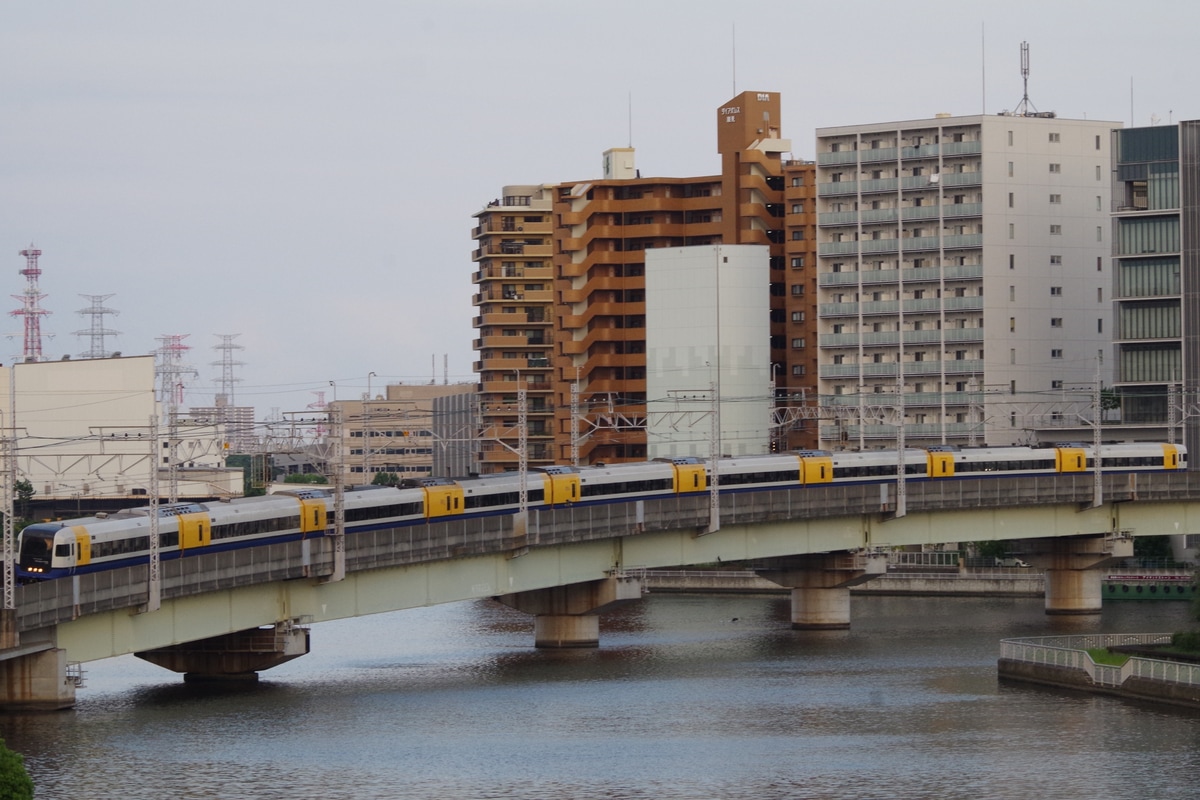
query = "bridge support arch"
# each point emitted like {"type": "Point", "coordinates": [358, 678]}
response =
{"type": "Point", "coordinates": [821, 584]}
{"type": "Point", "coordinates": [569, 616]}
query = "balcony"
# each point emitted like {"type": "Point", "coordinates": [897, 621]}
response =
{"type": "Point", "coordinates": [911, 399]}
{"type": "Point", "coordinates": [880, 185]}
{"type": "Point", "coordinates": [835, 218]}
{"type": "Point", "coordinates": [962, 178]}
{"type": "Point", "coordinates": [837, 248]}
{"type": "Point", "coordinates": [962, 148]}
{"type": "Point", "coordinates": [962, 240]}
{"type": "Point", "coordinates": [838, 158]}
{"type": "Point", "coordinates": [921, 151]}
{"type": "Point", "coordinates": [875, 155]}
{"type": "Point", "coordinates": [921, 243]}
{"type": "Point", "coordinates": [838, 188]}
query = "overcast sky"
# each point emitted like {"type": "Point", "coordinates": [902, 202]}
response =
{"type": "Point", "coordinates": [304, 173]}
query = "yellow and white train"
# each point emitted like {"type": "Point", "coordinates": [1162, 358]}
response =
{"type": "Point", "coordinates": [56, 549]}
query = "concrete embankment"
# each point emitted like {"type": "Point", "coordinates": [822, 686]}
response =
{"type": "Point", "coordinates": [1064, 662]}
{"type": "Point", "coordinates": [987, 584]}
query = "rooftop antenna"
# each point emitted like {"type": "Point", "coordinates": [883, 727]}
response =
{"type": "Point", "coordinates": [733, 47]}
{"type": "Point", "coordinates": [630, 113]}
{"type": "Point", "coordinates": [1025, 108]}
{"type": "Point", "coordinates": [445, 369]}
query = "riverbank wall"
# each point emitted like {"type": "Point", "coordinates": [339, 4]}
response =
{"type": "Point", "coordinates": [1063, 662]}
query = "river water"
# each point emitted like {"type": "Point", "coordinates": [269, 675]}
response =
{"type": "Point", "coordinates": [688, 697]}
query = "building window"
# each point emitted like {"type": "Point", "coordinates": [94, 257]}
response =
{"type": "Point", "coordinates": [1056, 168]}
{"type": "Point", "coordinates": [799, 369]}
{"type": "Point", "coordinates": [1099, 263]}
{"type": "Point", "coordinates": [797, 208]}
{"type": "Point", "coordinates": [1010, 138]}
{"type": "Point", "coordinates": [1055, 259]}
{"type": "Point", "coordinates": [797, 316]}
{"type": "Point", "coordinates": [1010, 199]}
{"type": "Point", "coordinates": [1056, 230]}
{"type": "Point", "coordinates": [1056, 384]}
{"type": "Point", "coordinates": [1099, 233]}
{"type": "Point", "coordinates": [797, 290]}
{"type": "Point", "coordinates": [1056, 322]}
{"type": "Point", "coordinates": [1097, 141]}
{"type": "Point", "coordinates": [1012, 230]}
{"type": "Point", "coordinates": [1012, 261]}
{"type": "Point", "coordinates": [1010, 169]}
{"type": "Point", "coordinates": [1099, 326]}
{"type": "Point", "coordinates": [1055, 199]}
{"type": "Point", "coordinates": [1056, 353]}
{"type": "Point", "coordinates": [1012, 294]}
{"type": "Point", "coordinates": [798, 180]}
{"type": "Point", "coordinates": [1100, 294]}
{"type": "Point", "coordinates": [798, 343]}
{"type": "Point", "coordinates": [797, 262]}
{"type": "Point", "coordinates": [1012, 356]}
{"type": "Point", "coordinates": [960, 355]}
{"type": "Point", "coordinates": [797, 235]}
{"type": "Point", "coordinates": [1054, 137]}
{"type": "Point", "coordinates": [1056, 291]}
{"type": "Point", "coordinates": [1012, 324]}
{"type": "Point", "coordinates": [1097, 172]}
{"type": "Point", "coordinates": [1099, 203]}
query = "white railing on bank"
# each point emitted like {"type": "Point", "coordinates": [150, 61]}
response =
{"type": "Point", "coordinates": [1071, 652]}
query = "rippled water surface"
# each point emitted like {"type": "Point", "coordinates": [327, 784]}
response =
{"type": "Point", "coordinates": [688, 697]}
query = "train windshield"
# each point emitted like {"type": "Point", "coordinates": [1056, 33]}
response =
{"type": "Point", "coordinates": [36, 547]}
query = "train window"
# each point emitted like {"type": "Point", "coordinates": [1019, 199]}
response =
{"type": "Point", "coordinates": [62, 550]}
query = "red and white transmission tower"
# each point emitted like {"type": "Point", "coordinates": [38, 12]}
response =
{"type": "Point", "coordinates": [31, 309]}
{"type": "Point", "coordinates": [319, 405]}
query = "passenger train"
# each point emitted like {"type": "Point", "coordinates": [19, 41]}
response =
{"type": "Point", "coordinates": [51, 550]}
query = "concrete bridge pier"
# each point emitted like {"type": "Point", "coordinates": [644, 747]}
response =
{"type": "Point", "coordinates": [37, 681]}
{"type": "Point", "coordinates": [569, 616]}
{"type": "Point", "coordinates": [821, 584]}
{"type": "Point", "coordinates": [1073, 568]}
{"type": "Point", "coordinates": [236, 656]}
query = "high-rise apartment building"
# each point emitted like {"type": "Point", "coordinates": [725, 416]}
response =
{"type": "Point", "coordinates": [514, 320]}
{"type": "Point", "coordinates": [1156, 231]}
{"type": "Point", "coordinates": [963, 272]}
{"type": "Point", "coordinates": [588, 400]}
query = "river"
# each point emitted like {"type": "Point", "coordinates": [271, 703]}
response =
{"type": "Point", "coordinates": [688, 696]}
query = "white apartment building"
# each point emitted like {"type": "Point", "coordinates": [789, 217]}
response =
{"type": "Point", "coordinates": [966, 260]}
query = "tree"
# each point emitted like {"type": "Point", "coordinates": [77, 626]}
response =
{"type": "Point", "coordinates": [385, 479]}
{"type": "Point", "coordinates": [23, 492]}
{"type": "Point", "coordinates": [305, 477]}
{"type": "Point", "coordinates": [15, 783]}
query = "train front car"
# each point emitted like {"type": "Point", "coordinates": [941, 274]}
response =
{"type": "Point", "coordinates": [35, 552]}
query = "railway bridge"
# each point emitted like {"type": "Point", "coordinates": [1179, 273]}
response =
{"type": "Point", "coordinates": [233, 613]}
